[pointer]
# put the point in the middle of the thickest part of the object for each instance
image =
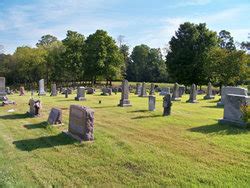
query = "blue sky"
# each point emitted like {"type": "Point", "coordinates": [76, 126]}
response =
{"type": "Point", "coordinates": [151, 22]}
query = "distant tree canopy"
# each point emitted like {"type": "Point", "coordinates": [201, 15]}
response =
{"type": "Point", "coordinates": [195, 55]}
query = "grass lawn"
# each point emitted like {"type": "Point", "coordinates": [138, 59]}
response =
{"type": "Point", "coordinates": [132, 146]}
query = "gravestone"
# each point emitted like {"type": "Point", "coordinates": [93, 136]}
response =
{"type": "Point", "coordinates": [234, 107]}
{"type": "Point", "coordinates": [21, 91]}
{"type": "Point", "coordinates": [106, 91]}
{"type": "Point", "coordinates": [175, 96]}
{"type": "Point", "coordinates": [209, 94]}
{"type": "Point", "coordinates": [143, 92]}
{"type": "Point", "coordinates": [193, 94]}
{"type": "Point", "coordinates": [124, 102]}
{"type": "Point", "coordinates": [167, 105]}
{"type": "Point", "coordinates": [138, 89]}
{"type": "Point", "coordinates": [90, 90]}
{"type": "Point", "coordinates": [181, 90]}
{"type": "Point", "coordinates": [35, 107]}
{"type": "Point", "coordinates": [81, 123]}
{"type": "Point", "coordinates": [165, 91]}
{"type": "Point", "coordinates": [151, 103]}
{"type": "Point", "coordinates": [152, 89]}
{"type": "Point", "coordinates": [2, 88]}
{"type": "Point", "coordinates": [231, 90]}
{"type": "Point", "coordinates": [53, 90]}
{"type": "Point", "coordinates": [66, 93]}
{"type": "Point", "coordinates": [55, 116]}
{"type": "Point", "coordinates": [80, 94]}
{"type": "Point", "coordinates": [41, 88]}
{"type": "Point", "coordinates": [8, 91]}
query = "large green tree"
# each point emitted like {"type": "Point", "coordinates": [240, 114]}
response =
{"type": "Point", "coordinates": [226, 40]}
{"type": "Point", "coordinates": [103, 57]}
{"type": "Point", "coordinates": [188, 50]}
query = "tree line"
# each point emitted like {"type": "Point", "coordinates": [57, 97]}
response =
{"type": "Point", "coordinates": [195, 55]}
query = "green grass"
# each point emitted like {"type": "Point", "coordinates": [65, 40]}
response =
{"type": "Point", "coordinates": [132, 147]}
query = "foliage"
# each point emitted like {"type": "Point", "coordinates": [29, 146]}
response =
{"type": "Point", "coordinates": [226, 40]}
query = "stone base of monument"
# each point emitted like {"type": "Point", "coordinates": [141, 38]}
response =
{"type": "Point", "coordinates": [232, 122]}
{"type": "Point", "coordinates": [207, 97]}
{"type": "Point", "coordinates": [76, 137]}
{"type": "Point", "coordinates": [124, 103]}
{"type": "Point", "coordinates": [220, 104]}
{"type": "Point", "coordinates": [80, 98]}
{"type": "Point", "coordinates": [41, 94]}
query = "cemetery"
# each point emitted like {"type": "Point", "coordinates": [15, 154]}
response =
{"type": "Point", "coordinates": [124, 93]}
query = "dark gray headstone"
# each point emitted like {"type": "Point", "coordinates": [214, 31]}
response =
{"type": "Point", "coordinates": [106, 91]}
{"type": "Point", "coordinates": [55, 116]}
{"type": "Point", "coordinates": [209, 94]}
{"type": "Point", "coordinates": [152, 89]}
{"type": "Point", "coordinates": [138, 89]}
{"type": "Point", "coordinates": [35, 107]}
{"type": "Point", "coordinates": [181, 90]}
{"type": "Point", "coordinates": [2, 88]}
{"type": "Point", "coordinates": [80, 94]}
{"type": "Point", "coordinates": [175, 96]}
{"type": "Point", "coordinates": [143, 92]}
{"type": "Point", "coordinates": [124, 102]}
{"type": "Point", "coordinates": [53, 90]}
{"type": "Point", "coordinates": [193, 94]}
{"type": "Point", "coordinates": [167, 105]}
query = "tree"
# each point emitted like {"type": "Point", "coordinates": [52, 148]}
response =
{"type": "Point", "coordinates": [226, 40]}
{"type": "Point", "coordinates": [46, 40]}
{"type": "Point", "coordinates": [74, 56]}
{"type": "Point", "coordinates": [188, 50]}
{"type": "Point", "coordinates": [103, 58]}
{"type": "Point", "coordinates": [124, 49]}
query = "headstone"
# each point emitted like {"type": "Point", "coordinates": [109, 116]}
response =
{"type": "Point", "coordinates": [234, 108]}
{"type": "Point", "coordinates": [209, 94]}
{"type": "Point", "coordinates": [138, 89]}
{"type": "Point", "coordinates": [80, 94]}
{"type": "Point", "coordinates": [167, 105]}
{"type": "Point", "coordinates": [81, 123]}
{"type": "Point", "coordinates": [66, 93]}
{"type": "Point", "coordinates": [181, 90]}
{"type": "Point", "coordinates": [143, 92]}
{"type": "Point", "coordinates": [21, 91]}
{"type": "Point", "coordinates": [165, 91]}
{"type": "Point", "coordinates": [55, 116]}
{"type": "Point", "coordinates": [90, 90]}
{"type": "Point", "coordinates": [124, 102]}
{"type": "Point", "coordinates": [35, 107]}
{"type": "Point", "coordinates": [152, 89]}
{"type": "Point", "coordinates": [2, 88]}
{"type": "Point", "coordinates": [231, 90]}
{"type": "Point", "coordinates": [151, 103]}
{"type": "Point", "coordinates": [8, 91]}
{"type": "Point", "coordinates": [41, 88]}
{"type": "Point", "coordinates": [106, 91]}
{"type": "Point", "coordinates": [32, 92]}
{"type": "Point", "coordinates": [53, 90]}
{"type": "Point", "coordinates": [193, 94]}
{"type": "Point", "coordinates": [175, 96]}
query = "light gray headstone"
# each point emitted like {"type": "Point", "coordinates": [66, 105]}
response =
{"type": "Point", "coordinates": [106, 91]}
{"type": "Point", "coordinates": [152, 89]}
{"type": "Point", "coordinates": [80, 94]}
{"type": "Point", "coordinates": [2, 87]}
{"type": "Point", "coordinates": [124, 102]}
{"type": "Point", "coordinates": [53, 90]}
{"type": "Point", "coordinates": [193, 94]}
{"type": "Point", "coordinates": [234, 106]}
{"type": "Point", "coordinates": [175, 96]}
{"type": "Point", "coordinates": [138, 89]}
{"type": "Point", "coordinates": [35, 107]}
{"type": "Point", "coordinates": [209, 94]}
{"type": "Point", "coordinates": [231, 90]}
{"type": "Point", "coordinates": [151, 103]}
{"type": "Point", "coordinates": [143, 92]}
{"type": "Point", "coordinates": [41, 88]}
{"type": "Point", "coordinates": [165, 91]}
{"type": "Point", "coordinates": [81, 123]}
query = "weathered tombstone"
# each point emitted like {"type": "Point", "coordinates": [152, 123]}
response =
{"type": "Point", "coordinates": [66, 93]}
{"type": "Point", "coordinates": [8, 91]}
{"type": "Point", "coordinates": [167, 105]}
{"type": "Point", "coordinates": [231, 90]}
{"type": "Point", "coordinates": [138, 89]}
{"type": "Point", "coordinates": [193, 94]}
{"type": "Point", "coordinates": [41, 88]}
{"type": "Point", "coordinates": [175, 96]}
{"type": "Point", "coordinates": [2, 88]}
{"type": "Point", "coordinates": [181, 90]}
{"type": "Point", "coordinates": [53, 90]}
{"type": "Point", "coordinates": [151, 103]}
{"type": "Point", "coordinates": [152, 89]}
{"type": "Point", "coordinates": [124, 102]}
{"type": "Point", "coordinates": [90, 90]}
{"type": "Point", "coordinates": [80, 94]}
{"type": "Point", "coordinates": [35, 107]}
{"type": "Point", "coordinates": [81, 123]}
{"type": "Point", "coordinates": [106, 91]}
{"type": "Point", "coordinates": [21, 91]}
{"type": "Point", "coordinates": [143, 92]}
{"type": "Point", "coordinates": [234, 108]}
{"type": "Point", "coordinates": [209, 94]}
{"type": "Point", "coordinates": [55, 116]}
{"type": "Point", "coordinates": [165, 91]}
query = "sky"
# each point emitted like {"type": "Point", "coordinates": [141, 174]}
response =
{"type": "Point", "coordinates": [150, 22]}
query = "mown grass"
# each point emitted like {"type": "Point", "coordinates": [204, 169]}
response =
{"type": "Point", "coordinates": [132, 147]}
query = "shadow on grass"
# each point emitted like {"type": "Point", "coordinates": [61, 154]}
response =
{"type": "Point", "coordinates": [16, 116]}
{"type": "Point", "coordinates": [103, 107]}
{"type": "Point", "coordinates": [37, 125]}
{"type": "Point", "coordinates": [144, 117]}
{"type": "Point", "coordinates": [220, 129]}
{"type": "Point", "coordinates": [213, 107]}
{"type": "Point", "coordinates": [44, 142]}
{"type": "Point", "coordinates": [66, 99]}
{"type": "Point", "coordinates": [135, 111]}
